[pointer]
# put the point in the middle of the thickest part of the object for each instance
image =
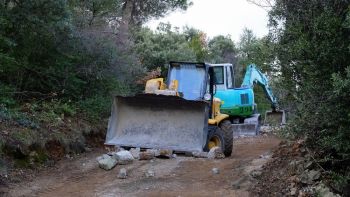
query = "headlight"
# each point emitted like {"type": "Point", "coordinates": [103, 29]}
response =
{"type": "Point", "coordinates": [207, 96]}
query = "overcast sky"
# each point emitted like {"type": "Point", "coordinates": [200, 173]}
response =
{"type": "Point", "coordinates": [219, 17]}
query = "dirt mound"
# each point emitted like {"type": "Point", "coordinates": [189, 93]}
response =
{"type": "Point", "coordinates": [291, 172]}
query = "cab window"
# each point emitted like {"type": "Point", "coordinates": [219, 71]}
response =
{"type": "Point", "coordinates": [229, 79]}
{"type": "Point", "coordinates": [218, 75]}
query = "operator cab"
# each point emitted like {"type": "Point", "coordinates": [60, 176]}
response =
{"type": "Point", "coordinates": [223, 76]}
{"type": "Point", "coordinates": [192, 78]}
{"type": "Point", "coordinates": [235, 101]}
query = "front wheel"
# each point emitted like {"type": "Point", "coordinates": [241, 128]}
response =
{"type": "Point", "coordinates": [215, 138]}
{"type": "Point", "coordinates": [228, 137]}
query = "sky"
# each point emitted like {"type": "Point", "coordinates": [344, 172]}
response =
{"type": "Point", "coordinates": [219, 17]}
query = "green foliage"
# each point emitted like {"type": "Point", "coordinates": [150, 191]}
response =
{"type": "Point", "coordinates": [197, 41]}
{"type": "Point", "coordinates": [2, 144]}
{"type": "Point", "coordinates": [312, 47]}
{"type": "Point", "coordinates": [26, 137]}
{"type": "Point", "coordinates": [156, 49]}
{"type": "Point", "coordinates": [89, 13]}
{"type": "Point", "coordinates": [6, 95]}
{"type": "Point", "coordinates": [221, 49]}
{"type": "Point", "coordinates": [340, 181]}
{"type": "Point", "coordinates": [142, 11]}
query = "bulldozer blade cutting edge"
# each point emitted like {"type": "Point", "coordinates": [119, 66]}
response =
{"type": "Point", "coordinates": [244, 129]}
{"type": "Point", "coordinates": [158, 121]}
{"type": "Point", "coordinates": [250, 127]}
{"type": "Point", "coordinates": [275, 118]}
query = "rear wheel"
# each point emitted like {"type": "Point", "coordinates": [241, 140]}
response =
{"type": "Point", "coordinates": [215, 138]}
{"type": "Point", "coordinates": [228, 137]}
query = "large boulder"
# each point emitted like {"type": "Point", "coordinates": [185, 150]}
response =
{"type": "Point", "coordinates": [146, 155]}
{"type": "Point", "coordinates": [165, 153]}
{"type": "Point", "coordinates": [135, 152]}
{"type": "Point", "coordinates": [106, 162]}
{"type": "Point", "coordinates": [123, 157]}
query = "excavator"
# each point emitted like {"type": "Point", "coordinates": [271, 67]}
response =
{"type": "Point", "coordinates": [180, 114]}
{"type": "Point", "coordinates": [239, 103]}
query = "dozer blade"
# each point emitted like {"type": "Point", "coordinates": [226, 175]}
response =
{"type": "Point", "coordinates": [275, 118]}
{"type": "Point", "coordinates": [158, 121]}
{"type": "Point", "coordinates": [244, 129]}
{"type": "Point", "coordinates": [251, 126]}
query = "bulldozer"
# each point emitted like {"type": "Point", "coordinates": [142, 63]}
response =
{"type": "Point", "coordinates": [239, 103]}
{"type": "Point", "coordinates": [180, 114]}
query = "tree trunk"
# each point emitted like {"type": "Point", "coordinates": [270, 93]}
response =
{"type": "Point", "coordinates": [123, 33]}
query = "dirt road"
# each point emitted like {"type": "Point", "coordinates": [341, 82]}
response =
{"type": "Point", "coordinates": [181, 176]}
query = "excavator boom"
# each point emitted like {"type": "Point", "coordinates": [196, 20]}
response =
{"type": "Point", "coordinates": [255, 76]}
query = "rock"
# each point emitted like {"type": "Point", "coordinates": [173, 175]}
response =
{"type": "Point", "coordinates": [302, 194]}
{"type": "Point", "coordinates": [135, 152]}
{"type": "Point", "coordinates": [88, 149]}
{"type": "Point", "coordinates": [265, 129]}
{"type": "Point", "coordinates": [155, 152]}
{"type": "Point", "coordinates": [293, 191]}
{"type": "Point", "coordinates": [294, 179]}
{"type": "Point", "coordinates": [149, 173]}
{"type": "Point", "coordinates": [104, 156]}
{"type": "Point", "coordinates": [308, 165]}
{"type": "Point", "coordinates": [198, 154]}
{"type": "Point", "coordinates": [323, 190]}
{"type": "Point", "coordinates": [216, 153]}
{"type": "Point", "coordinates": [122, 173]}
{"type": "Point", "coordinates": [123, 157]}
{"type": "Point", "coordinates": [165, 153]}
{"type": "Point", "coordinates": [314, 175]}
{"type": "Point", "coordinates": [215, 171]}
{"type": "Point", "coordinates": [146, 156]}
{"type": "Point", "coordinates": [265, 156]}
{"type": "Point", "coordinates": [107, 163]}
{"type": "Point", "coordinates": [255, 173]}
{"type": "Point", "coordinates": [308, 177]}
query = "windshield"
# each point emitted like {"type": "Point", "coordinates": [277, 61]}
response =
{"type": "Point", "coordinates": [191, 80]}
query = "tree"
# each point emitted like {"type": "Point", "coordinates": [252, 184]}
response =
{"type": "Point", "coordinates": [222, 49]}
{"type": "Point", "coordinates": [156, 49]}
{"type": "Point", "coordinates": [312, 46]}
{"type": "Point", "coordinates": [135, 13]}
{"type": "Point", "coordinates": [197, 41]}
{"type": "Point", "coordinates": [32, 40]}
{"type": "Point", "coordinates": [253, 50]}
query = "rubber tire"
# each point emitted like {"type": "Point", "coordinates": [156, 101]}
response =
{"type": "Point", "coordinates": [217, 132]}
{"type": "Point", "coordinates": [228, 137]}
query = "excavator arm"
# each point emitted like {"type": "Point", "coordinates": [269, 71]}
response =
{"type": "Point", "coordinates": [254, 76]}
